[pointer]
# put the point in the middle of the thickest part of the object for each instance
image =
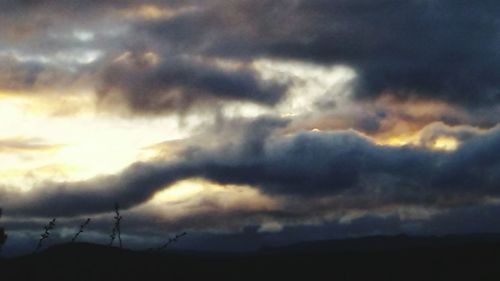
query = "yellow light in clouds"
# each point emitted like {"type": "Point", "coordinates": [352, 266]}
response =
{"type": "Point", "coordinates": [199, 196]}
{"type": "Point", "coordinates": [153, 12]}
{"type": "Point", "coordinates": [192, 188]}
{"type": "Point", "coordinates": [93, 155]}
{"type": "Point", "coordinates": [225, 196]}
{"type": "Point", "coordinates": [445, 143]}
{"type": "Point", "coordinates": [181, 191]}
{"type": "Point", "coordinates": [83, 145]}
{"type": "Point", "coordinates": [441, 143]}
{"type": "Point", "coordinates": [398, 140]}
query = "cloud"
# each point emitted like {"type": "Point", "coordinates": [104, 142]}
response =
{"type": "Point", "coordinates": [30, 75]}
{"type": "Point", "coordinates": [148, 85]}
{"type": "Point", "coordinates": [443, 50]}
{"type": "Point", "coordinates": [344, 168]}
{"type": "Point", "coordinates": [137, 184]}
{"type": "Point", "coordinates": [16, 75]}
{"type": "Point", "coordinates": [387, 69]}
{"type": "Point", "coordinates": [26, 145]}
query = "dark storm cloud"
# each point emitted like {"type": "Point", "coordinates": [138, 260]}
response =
{"type": "Point", "coordinates": [133, 186]}
{"type": "Point", "coordinates": [343, 166]}
{"type": "Point", "coordinates": [181, 80]}
{"type": "Point", "coordinates": [434, 49]}
{"type": "Point", "coordinates": [138, 183]}
{"type": "Point", "coordinates": [176, 84]}
{"type": "Point", "coordinates": [445, 50]}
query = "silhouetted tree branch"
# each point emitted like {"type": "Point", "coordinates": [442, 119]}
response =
{"type": "Point", "coordinates": [46, 234]}
{"type": "Point", "coordinates": [170, 241]}
{"type": "Point", "coordinates": [116, 228]}
{"type": "Point", "coordinates": [80, 231]}
{"type": "Point", "coordinates": [3, 236]}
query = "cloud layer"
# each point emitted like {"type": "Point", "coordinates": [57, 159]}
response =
{"type": "Point", "coordinates": [279, 115]}
{"type": "Point", "coordinates": [344, 168]}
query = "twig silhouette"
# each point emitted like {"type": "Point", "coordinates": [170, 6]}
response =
{"type": "Point", "coordinates": [46, 234]}
{"type": "Point", "coordinates": [170, 241]}
{"type": "Point", "coordinates": [116, 228]}
{"type": "Point", "coordinates": [3, 236]}
{"type": "Point", "coordinates": [80, 231]}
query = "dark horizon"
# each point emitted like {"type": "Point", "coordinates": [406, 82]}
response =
{"type": "Point", "coordinates": [376, 258]}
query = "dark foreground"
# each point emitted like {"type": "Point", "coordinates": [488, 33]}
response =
{"type": "Point", "coordinates": [379, 258]}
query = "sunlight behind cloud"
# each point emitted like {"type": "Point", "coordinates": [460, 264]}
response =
{"type": "Point", "coordinates": [445, 143]}
{"type": "Point", "coordinates": [440, 143]}
{"type": "Point", "coordinates": [181, 191]}
{"type": "Point", "coordinates": [196, 192]}
{"type": "Point", "coordinates": [154, 12]}
{"type": "Point", "coordinates": [311, 83]}
{"type": "Point", "coordinates": [72, 147]}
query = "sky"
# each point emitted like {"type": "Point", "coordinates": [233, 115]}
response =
{"type": "Point", "coordinates": [248, 122]}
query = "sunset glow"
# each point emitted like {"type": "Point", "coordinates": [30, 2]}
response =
{"type": "Point", "coordinates": [261, 118]}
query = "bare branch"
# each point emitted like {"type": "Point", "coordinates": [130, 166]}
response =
{"type": "Point", "coordinates": [46, 234]}
{"type": "Point", "coordinates": [116, 231]}
{"type": "Point", "coordinates": [82, 227]}
{"type": "Point", "coordinates": [170, 241]}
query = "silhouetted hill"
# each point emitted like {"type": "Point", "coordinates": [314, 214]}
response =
{"type": "Point", "coordinates": [401, 258]}
{"type": "Point", "coordinates": [388, 243]}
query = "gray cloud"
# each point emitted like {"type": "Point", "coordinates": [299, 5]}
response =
{"type": "Point", "coordinates": [16, 75]}
{"type": "Point", "coordinates": [439, 50]}
{"type": "Point", "coordinates": [343, 166]}
{"type": "Point", "coordinates": [26, 145]}
{"type": "Point", "coordinates": [177, 84]}
{"type": "Point", "coordinates": [28, 76]}
{"type": "Point", "coordinates": [444, 50]}
{"type": "Point", "coordinates": [137, 184]}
